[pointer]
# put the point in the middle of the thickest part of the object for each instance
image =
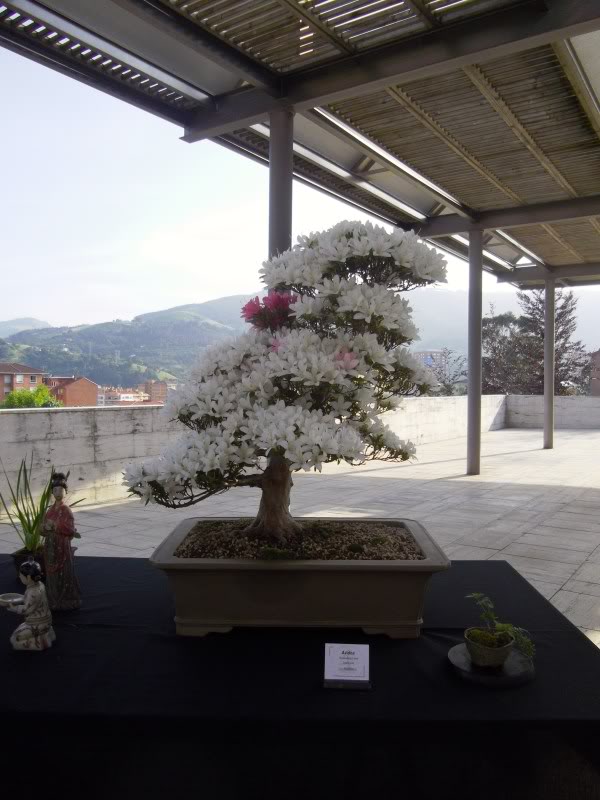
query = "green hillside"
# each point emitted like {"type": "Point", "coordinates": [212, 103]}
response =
{"type": "Point", "coordinates": [160, 344]}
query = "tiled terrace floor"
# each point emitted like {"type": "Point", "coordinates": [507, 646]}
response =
{"type": "Point", "coordinates": [537, 509]}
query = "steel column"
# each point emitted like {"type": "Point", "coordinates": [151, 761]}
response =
{"type": "Point", "coordinates": [281, 173]}
{"type": "Point", "coordinates": [549, 337]}
{"type": "Point", "coordinates": [474, 353]}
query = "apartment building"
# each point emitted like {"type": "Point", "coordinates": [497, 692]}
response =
{"type": "Point", "coordinates": [19, 376]}
{"type": "Point", "coordinates": [74, 391]}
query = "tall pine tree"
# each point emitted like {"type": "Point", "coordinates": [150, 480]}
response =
{"type": "Point", "coordinates": [513, 361]}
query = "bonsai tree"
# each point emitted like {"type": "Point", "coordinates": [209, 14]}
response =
{"type": "Point", "coordinates": [326, 356]}
{"type": "Point", "coordinates": [494, 633]}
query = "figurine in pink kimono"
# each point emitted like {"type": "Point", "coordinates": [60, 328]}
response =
{"type": "Point", "coordinates": [36, 632]}
{"type": "Point", "coordinates": [58, 531]}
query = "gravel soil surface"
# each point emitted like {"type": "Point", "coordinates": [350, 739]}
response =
{"type": "Point", "coordinates": [321, 539]}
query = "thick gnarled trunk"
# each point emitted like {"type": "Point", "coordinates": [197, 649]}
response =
{"type": "Point", "coordinates": [273, 521]}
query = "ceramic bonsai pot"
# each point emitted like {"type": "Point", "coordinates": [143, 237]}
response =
{"type": "Point", "coordinates": [489, 657]}
{"type": "Point", "coordinates": [377, 596]}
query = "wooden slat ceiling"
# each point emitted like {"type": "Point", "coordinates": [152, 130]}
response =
{"type": "Point", "coordinates": [508, 132]}
{"type": "Point", "coordinates": [290, 35]}
{"type": "Point", "coordinates": [247, 140]}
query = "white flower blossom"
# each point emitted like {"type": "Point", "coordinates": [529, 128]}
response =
{"type": "Point", "coordinates": [314, 389]}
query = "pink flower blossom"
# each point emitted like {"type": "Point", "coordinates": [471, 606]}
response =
{"type": "Point", "coordinates": [279, 301]}
{"type": "Point", "coordinates": [273, 313]}
{"type": "Point", "coordinates": [251, 309]}
{"type": "Point", "coordinates": [346, 359]}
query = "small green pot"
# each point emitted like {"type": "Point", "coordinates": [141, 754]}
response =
{"type": "Point", "coordinates": [489, 657]}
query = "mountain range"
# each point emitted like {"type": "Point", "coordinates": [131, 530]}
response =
{"type": "Point", "coordinates": [164, 344]}
{"type": "Point", "coordinates": [11, 326]}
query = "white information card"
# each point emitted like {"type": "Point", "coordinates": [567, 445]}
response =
{"type": "Point", "coordinates": [347, 666]}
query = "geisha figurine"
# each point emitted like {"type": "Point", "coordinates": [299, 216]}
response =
{"type": "Point", "coordinates": [58, 531]}
{"type": "Point", "coordinates": [36, 633]}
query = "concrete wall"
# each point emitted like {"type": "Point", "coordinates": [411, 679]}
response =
{"type": "Point", "coordinates": [527, 411]}
{"type": "Point", "coordinates": [96, 443]}
{"type": "Point", "coordinates": [434, 419]}
{"type": "Point", "coordinates": [93, 443]}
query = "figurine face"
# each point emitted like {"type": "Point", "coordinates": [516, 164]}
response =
{"type": "Point", "coordinates": [26, 580]}
{"type": "Point", "coordinates": [59, 492]}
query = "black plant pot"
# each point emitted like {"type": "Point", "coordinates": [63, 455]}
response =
{"type": "Point", "coordinates": [20, 556]}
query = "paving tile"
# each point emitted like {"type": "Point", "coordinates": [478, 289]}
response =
{"type": "Point", "coordinates": [494, 539]}
{"type": "Point", "coordinates": [546, 589]}
{"type": "Point", "coordinates": [537, 568]}
{"type": "Point", "coordinates": [587, 572]}
{"type": "Point", "coordinates": [97, 549]}
{"type": "Point", "coordinates": [559, 542]}
{"type": "Point", "coordinates": [581, 609]}
{"type": "Point", "coordinates": [561, 555]}
{"type": "Point", "coordinates": [574, 522]}
{"type": "Point", "coordinates": [582, 587]}
{"type": "Point", "coordinates": [593, 636]}
{"type": "Point", "coordinates": [467, 552]}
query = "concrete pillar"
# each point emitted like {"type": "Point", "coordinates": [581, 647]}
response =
{"type": "Point", "coordinates": [549, 337]}
{"type": "Point", "coordinates": [474, 354]}
{"type": "Point", "coordinates": [281, 155]}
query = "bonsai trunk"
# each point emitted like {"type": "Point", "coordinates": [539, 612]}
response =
{"type": "Point", "coordinates": [273, 520]}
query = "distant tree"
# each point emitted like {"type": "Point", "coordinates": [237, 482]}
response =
{"type": "Point", "coordinates": [570, 356]}
{"type": "Point", "coordinates": [448, 374]}
{"type": "Point", "coordinates": [502, 368]}
{"type": "Point", "coordinates": [41, 397]}
{"type": "Point", "coordinates": [513, 348]}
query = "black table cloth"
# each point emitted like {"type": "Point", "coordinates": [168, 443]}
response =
{"type": "Point", "coordinates": [121, 703]}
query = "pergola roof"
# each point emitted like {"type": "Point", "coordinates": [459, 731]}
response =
{"type": "Point", "coordinates": [442, 115]}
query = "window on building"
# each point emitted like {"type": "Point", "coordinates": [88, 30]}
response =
{"type": "Point", "coordinates": [20, 378]}
{"type": "Point", "coordinates": [7, 379]}
{"type": "Point", "coordinates": [33, 379]}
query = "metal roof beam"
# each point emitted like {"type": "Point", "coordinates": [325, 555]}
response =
{"type": "Point", "coordinates": [316, 24]}
{"type": "Point", "coordinates": [580, 82]}
{"type": "Point", "coordinates": [534, 214]}
{"type": "Point", "coordinates": [569, 271]}
{"type": "Point", "coordinates": [205, 43]}
{"type": "Point", "coordinates": [71, 69]}
{"type": "Point", "coordinates": [494, 35]}
{"type": "Point", "coordinates": [38, 12]}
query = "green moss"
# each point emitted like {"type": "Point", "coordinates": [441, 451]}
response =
{"type": "Point", "coordinates": [488, 638]}
{"type": "Point", "coordinates": [355, 548]}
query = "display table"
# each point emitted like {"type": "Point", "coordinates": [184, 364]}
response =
{"type": "Point", "coordinates": [123, 704]}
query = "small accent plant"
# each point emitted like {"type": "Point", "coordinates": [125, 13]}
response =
{"type": "Point", "coordinates": [26, 512]}
{"type": "Point", "coordinates": [495, 633]}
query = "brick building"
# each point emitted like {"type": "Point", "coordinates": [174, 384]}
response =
{"type": "Point", "coordinates": [595, 376]}
{"type": "Point", "coordinates": [120, 396]}
{"type": "Point", "coordinates": [19, 376]}
{"type": "Point", "coordinates": [74, 392]}
{"type": "Point", "coordinates": [156, 391]}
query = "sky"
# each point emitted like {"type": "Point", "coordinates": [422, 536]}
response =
{"type": "Point", "coordinates": [106, 214]}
